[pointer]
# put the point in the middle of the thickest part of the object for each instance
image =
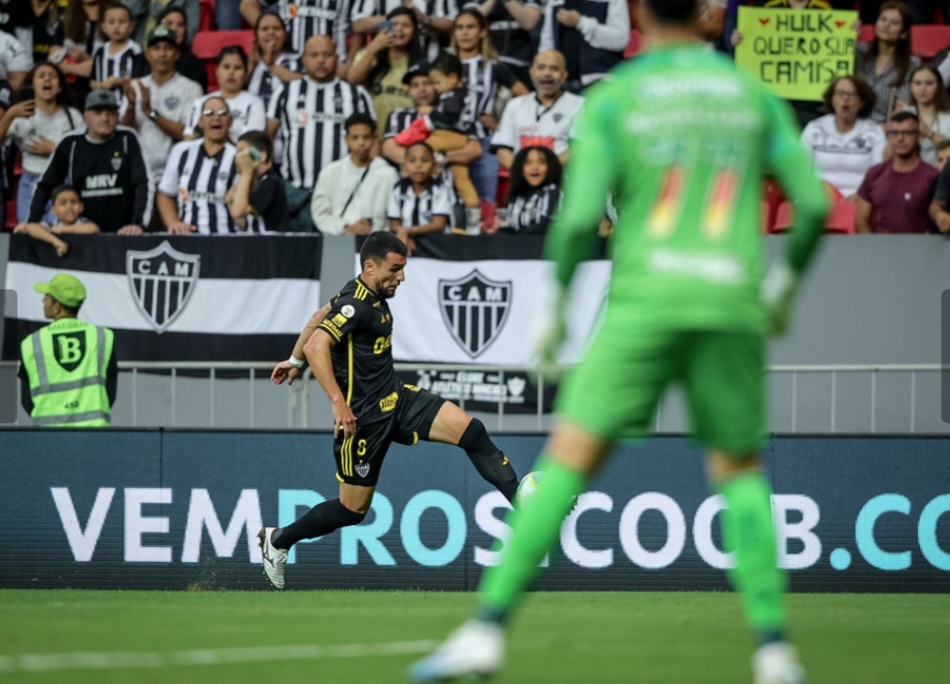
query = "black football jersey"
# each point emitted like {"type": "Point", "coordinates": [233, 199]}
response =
{"type": "Point", "coordinates": [362, 327]}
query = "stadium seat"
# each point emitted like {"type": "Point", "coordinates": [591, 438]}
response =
{"type": "Point", "coordinates": [208, 45]}
{"type": "Point", "coordinates": [926, 40]}
{"type": "Point", "coordinates": [773, 198]}
{"type": "Point", "coordinates": [866, 34]}
{"type": "Point", "coordinates": [502, 194]}
{"type": "Point", "coordinates": [840, 219]}
{"type": "Point", "coordinates": [206, 17]}
{"type": "Point", "coordinates": [633, 47]}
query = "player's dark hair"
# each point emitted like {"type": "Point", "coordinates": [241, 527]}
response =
{"type": "Point", "coordinates": [232, 50]}
{"type": "Point", "coordinates": [379, 244]}
{"type": "Point", "coordinates": [519, 185]}
{"type": "Point", "coordinates": [682, 12]}
{"type": "Point", "coordinates": [359, 119]}
{"type": "Point", "coordinates": [261, 141]}
{"type": "Point", "coordinates": [865, 93]}
{"type": "Point", "coordinates": [448, 64]}
{"type": "Point", "coordinates": [60, 189]}
{"type": "Point", "coordinates": [904, 116]}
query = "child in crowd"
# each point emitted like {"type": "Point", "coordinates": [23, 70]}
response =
{"type": "Point", "coordinates": [67, 208]}
{"type": "Point", "coordinates": [420, 202]}
{"type": "Point", "coordinates": [448, 127]}
{"type": "Point", "coordinates": [257, 202]}
{"type": "Point", "coordinates": [534, 194]}
{"type": "Point", "coordinates": [119, 59]}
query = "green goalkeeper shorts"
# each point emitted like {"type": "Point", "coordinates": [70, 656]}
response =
{"type": "Point", "coordinates": [615, 389]}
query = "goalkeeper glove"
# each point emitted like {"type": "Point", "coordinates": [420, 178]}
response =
{"type": "Point", "coordinates": [778, 293]}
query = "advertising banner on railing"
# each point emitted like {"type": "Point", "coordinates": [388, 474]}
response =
{"type": "Point", "coordinates": [177, 298]}
{"type": "Point", "coordinates": [172, 510]}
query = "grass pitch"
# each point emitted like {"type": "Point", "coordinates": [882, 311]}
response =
{"type": "Point", "coordinates": [333, 637]}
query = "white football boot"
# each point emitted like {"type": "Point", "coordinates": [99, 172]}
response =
{"type": "Point", "coordinates": [476, 650]}
{"type": "Point", "coordinates": [777, 663]}
{"type": "Point", "coordinates": [274, 559]}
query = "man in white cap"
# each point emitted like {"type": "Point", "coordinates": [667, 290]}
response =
{"type": "Point", "coordinates": [68, 371]}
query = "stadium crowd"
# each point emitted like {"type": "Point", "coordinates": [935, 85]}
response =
{"type": "Point", "coordinates": [417, 117]}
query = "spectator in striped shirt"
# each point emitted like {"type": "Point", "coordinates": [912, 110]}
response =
{"type": "Point", "coordinates": [307, 18]}
{"type": "Point", "coordinates": [483, 74]}
{"type": "Point", "coordinates": [192, 194]}
{"type": "Point", "coordinates": [120, 59]}
{"type": "Point", "coordinates": [534, 194]}
{"type": "Point", "coordinates": [420, 202]}
{"type": "Point", "coordinates": [273, 62]}
{"type": "Point", "coordinates": [511, 25]}
{"type": "Point", "coordinates": [308, 114]}
{"type": "Point", "coordinates": [433, 18]}
{"type": "Point", "coordinates": [247, 110]}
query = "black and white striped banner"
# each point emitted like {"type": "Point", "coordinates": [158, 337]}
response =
{"type": "Point", "coordinates": [177, 298]}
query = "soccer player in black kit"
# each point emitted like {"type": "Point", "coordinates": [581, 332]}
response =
{"type": "Point", "coordinates": [348, 344]}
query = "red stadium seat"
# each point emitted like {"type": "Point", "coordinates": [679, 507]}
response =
{"type": "Point", "coordinates": [207, 45]}
{"type": "Point", "coordinates": [501, 196]}
{"type": "Point", "coordinates": [866, 34]}
{"type": "Point", "coordinates": [773, 198]}
{"type": "Point", "coordinates": [633, 47]}
{"type": "Point", "coordinates": [840, 219]}
{"type": "Point", "coordinates": [206, 17]}
{"type": "Point", "coordinates": [926, 40]}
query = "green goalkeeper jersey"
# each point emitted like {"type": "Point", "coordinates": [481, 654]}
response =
{"type": "Point", "coordinates": [682, 141]}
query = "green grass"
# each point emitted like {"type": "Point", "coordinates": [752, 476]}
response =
{"type": "Point", "coordinates": [575, 638]}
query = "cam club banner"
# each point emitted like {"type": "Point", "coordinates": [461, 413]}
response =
{"type": "Point", "coordinates": [797, 53]}
{"type": "Point", "coordinates": [487, 303]}
{"type": "Point", "coordinates": [177, 298]}
{"type": "Point", "coordinates": [175, 509]}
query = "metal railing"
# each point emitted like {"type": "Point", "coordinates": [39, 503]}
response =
{"type": "Point", "coordinates": [298, 408]}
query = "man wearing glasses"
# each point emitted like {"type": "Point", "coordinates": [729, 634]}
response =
{"type": "Point", "coordinates": [895, 195]}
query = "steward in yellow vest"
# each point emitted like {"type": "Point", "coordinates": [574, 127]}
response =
{"type": "Point", "coordinates": [68, 369]}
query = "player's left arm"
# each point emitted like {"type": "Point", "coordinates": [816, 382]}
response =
{"type": "Point", "coordinates": [573, 237]}
{"type": "Point", "coordinates": [290, 369]}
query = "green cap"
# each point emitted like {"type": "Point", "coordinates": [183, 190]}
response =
{"type": "Point", "coordinates": [64, 288]}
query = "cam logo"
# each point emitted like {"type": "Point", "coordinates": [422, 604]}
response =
{"type": "Point", "coordinates": [362, 469]}
{"type": "Point", "coordinates": [69, 349]}
{"type": "Point", "coordinates": [475, 309]}
{"type": "Point", "coordinates": [162, 281]}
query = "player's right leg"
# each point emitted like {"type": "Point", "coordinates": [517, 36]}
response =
{"type": "Point", "coordinates": [359, 459]}
{"type": "Point", "coordinates": [725, 388]}
{"type": "Point", "coordinates": [476, 648]}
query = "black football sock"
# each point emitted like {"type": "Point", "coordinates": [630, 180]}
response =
{"type": "Point", "coordinates": [320, 520]}
{"type": "Point", "coordinates": [490, 463]}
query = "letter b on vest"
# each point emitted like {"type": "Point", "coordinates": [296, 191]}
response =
{"type": "Point", "coordinates": [69, 349]}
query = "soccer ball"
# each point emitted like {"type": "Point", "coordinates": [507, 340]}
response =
{"type": "Point", "coordinates": [528, 486]}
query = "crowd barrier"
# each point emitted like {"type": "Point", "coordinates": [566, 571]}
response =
{"type": "Point", "coordinates": [162, 509]}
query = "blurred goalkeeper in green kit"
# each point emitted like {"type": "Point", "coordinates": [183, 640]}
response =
{"type": "Point", "coordinates": [682, 140]}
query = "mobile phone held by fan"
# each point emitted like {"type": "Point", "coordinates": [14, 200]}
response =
{"type": "Point", "coordinates": [385, 26]}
